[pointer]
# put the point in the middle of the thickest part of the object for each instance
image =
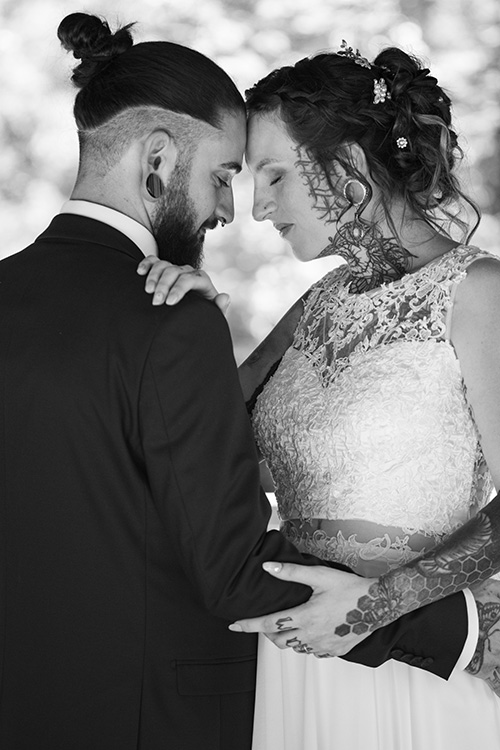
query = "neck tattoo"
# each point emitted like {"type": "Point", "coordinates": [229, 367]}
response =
{"type": "Point", "coordinates": [372, 258]}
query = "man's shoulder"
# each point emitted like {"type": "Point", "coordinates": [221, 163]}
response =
{"type": "Point", "coordinates": [193, 315]}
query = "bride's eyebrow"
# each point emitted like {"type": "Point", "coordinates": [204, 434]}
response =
{"type": "Point", "coordinates": [265, 163]}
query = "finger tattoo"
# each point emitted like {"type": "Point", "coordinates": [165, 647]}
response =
{"type": "Point", "coordinates": [280, 624]}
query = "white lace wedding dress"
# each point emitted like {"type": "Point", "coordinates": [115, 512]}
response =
{"type": "Point", "coordinates": [375, 457]}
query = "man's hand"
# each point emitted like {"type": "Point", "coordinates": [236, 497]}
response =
{"type": "Point", "coordinates": [319, 626]}
{"type": "Point", "coordinates": [168, 283]}
{"type": "Point", "coordinates": [485, 663]}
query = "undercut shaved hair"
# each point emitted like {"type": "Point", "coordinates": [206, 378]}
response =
{"type": "Point", "coordinates": [120, 81]}
{"type": "Point", "coordinates": [102, 147]}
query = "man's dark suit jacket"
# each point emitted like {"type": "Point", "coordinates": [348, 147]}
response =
{"type": "Point", "coordinates": [132, 528]}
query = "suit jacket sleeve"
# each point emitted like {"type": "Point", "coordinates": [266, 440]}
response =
{"type": "Point", "coordinates": [202, 465]}
{"type": "Point", "coordinates": [203, 471]}
{"type": "Point", "coordinates": [431, 638]}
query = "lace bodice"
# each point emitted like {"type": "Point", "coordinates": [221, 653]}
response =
{"type": "Point", "coordinates": [366, 421]}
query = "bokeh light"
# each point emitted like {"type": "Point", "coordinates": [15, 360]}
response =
{"type": "Point", "coordinates": [460, 42]}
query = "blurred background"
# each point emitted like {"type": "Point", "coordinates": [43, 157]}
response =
{"type": "Point", "coordinates": [458, 39]}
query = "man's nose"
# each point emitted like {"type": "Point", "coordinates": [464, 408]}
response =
{"type": "Point", "coordinates": [226, 207]}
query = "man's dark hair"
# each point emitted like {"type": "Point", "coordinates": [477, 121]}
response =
{"type": "Point", "coordinates": [115, 74]}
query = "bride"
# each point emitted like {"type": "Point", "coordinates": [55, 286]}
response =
{"type": "Point", "coordinates": [381, 422]}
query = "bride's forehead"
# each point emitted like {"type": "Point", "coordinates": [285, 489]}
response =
{"type": "Point", "coordinates": [267, 140]}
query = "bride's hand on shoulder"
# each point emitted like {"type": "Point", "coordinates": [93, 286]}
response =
{"type": "Point", "coordinates": [169, 283]}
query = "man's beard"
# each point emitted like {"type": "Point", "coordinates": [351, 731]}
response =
{"type": "Point", "coordinates": [174, 227]}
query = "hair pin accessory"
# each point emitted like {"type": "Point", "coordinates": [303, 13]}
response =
{"type": "Point", "coordinates": [401, 142]}
{"type": "Point", "coordinates": [346, 51]}
{"type": "Point", "coordinates": [380, 92]}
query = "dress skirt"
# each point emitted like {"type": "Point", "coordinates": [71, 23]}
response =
{"type": "Point", "coordinates": [304, 703]}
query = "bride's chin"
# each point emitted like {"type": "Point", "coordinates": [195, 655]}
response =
{"type": "Point", "coordinates": [305, 255]}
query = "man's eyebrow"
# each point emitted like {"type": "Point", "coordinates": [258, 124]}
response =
{"type": "Point", "coordinates": [233, 166]}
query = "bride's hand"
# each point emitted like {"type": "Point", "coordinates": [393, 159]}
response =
{"type": "Point", "coordinates": [328, 623]}
{"type": "Point", "coordinates": [168, 283]}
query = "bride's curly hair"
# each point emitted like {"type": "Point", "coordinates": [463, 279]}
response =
{"type": "Point", "coordinates": [327, 103]}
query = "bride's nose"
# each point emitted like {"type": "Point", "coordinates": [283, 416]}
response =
{"type": "Point", "coordinates": [263, 206]}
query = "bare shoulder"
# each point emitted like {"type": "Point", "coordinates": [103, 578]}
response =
{"type": "Point", "coordinates": [476, 309]}
{"type": "Point", "coordinates": [480, 290]}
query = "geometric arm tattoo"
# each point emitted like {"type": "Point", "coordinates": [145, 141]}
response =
{"type": "Point", "coordinates": [470, 555]}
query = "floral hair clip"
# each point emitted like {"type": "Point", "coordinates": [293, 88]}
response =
{"type": "Point", "coordinates": [346, 51]}
{"type": "Point", "coordinates": [380, 92]}
{"type": "Point", "coordinates": [401, 142]}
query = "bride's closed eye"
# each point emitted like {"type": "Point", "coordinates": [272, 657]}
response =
{"type": "Point", "coordinates": [276, 179]}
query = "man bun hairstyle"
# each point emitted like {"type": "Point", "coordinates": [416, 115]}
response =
{"type": "Point", "coordinates": [393, 108]}
{"type": "Point", "coordinates": [90, 40]}
{"type": "Point", "coordinates": [115, 74]}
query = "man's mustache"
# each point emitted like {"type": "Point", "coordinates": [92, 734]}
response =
{"type": "Point", "coordinates": [210, 223]}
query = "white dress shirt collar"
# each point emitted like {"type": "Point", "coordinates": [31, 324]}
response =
{"type": "Point", "coordinates": [131, 228]}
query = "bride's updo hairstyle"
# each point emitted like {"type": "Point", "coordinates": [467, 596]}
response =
{"type": "Point", "coordinates": [116, 76]}
{"type": "Point", "coordinates": [393, 108]}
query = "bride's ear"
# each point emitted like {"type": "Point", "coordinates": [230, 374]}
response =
{"type": "Point", "coordinates": [358, 158]}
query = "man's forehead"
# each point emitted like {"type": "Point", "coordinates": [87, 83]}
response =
{"type": "Point", "coordinates": [232, 140]}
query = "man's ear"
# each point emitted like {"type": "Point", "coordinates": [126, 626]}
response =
{"type": "Point", "coordinates": [159, 156]}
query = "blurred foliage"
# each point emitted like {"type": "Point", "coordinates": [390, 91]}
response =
{"type": "Point", "coordinates": [459, 40]}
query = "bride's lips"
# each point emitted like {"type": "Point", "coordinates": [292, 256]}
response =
{"type": "Point", "coordinates": [283, 229]}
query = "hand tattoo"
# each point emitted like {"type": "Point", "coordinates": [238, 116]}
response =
{"type": "Point", "coordinates": [470, 555]}
{"type": "Point", "coordinates": [280, 624]}
{"type": "Point", "coordinates": [298, 646]}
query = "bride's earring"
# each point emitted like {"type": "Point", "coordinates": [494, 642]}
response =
{"type": "Point", "coordinates": [355, 192]}
{"type": "Point", "coordinates": [358, 195]}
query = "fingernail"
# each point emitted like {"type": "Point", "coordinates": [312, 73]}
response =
{"type": "Point", "coordinates": [149, 287]}
{"type": "Point", "coordinates": [236, 628]}
{"type": "Point", "coordinates": [272, 567]}
{"type": "Point", "coordinates": [158, 298]}
{"type": "Point", "coordinates": [172, 298]}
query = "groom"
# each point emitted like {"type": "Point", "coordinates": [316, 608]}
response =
{"type": "Point", "coordinates": [132, 527]}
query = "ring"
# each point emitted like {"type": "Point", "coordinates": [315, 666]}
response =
{"type": "Point", "coordinates": [303, 649]}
